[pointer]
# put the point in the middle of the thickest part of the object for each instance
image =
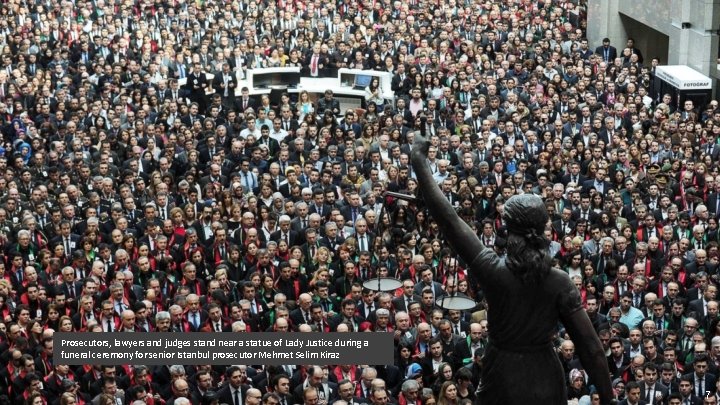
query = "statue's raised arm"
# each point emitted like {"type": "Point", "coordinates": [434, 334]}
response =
{"type": "Point", "coordinates": [458, 234]}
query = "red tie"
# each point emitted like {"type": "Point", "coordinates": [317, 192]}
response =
{"type": "Point", "coordinates": [314, 65]}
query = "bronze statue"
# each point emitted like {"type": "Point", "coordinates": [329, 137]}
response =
{"type": "Point", "coordinates": [526, 299]}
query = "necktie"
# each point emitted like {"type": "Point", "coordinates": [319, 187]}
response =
{"type": "Point", "coordinates": [701, 391]}
{"type": "Point", "coordinates": [314, 65]}
{"type": "Point", "coordinates": [120, 308]}
{"type": "Point", "coordinates": [67, 246]}
{"type": "Point", "coordinates": [217, 327]}
{"type": "Point", "coordinates": [222, 252]}
{"type": "Point", "coordinates": [237, 397]}
{"type": "Point", "coordinates": [196, 323]}
{"type": "Point", "coordinates": [72, 291]}
{"type": "Point", "coordinates": [109, 325]}
{"type": "Point", "coordinates": [287, 239]}
{"type": "Point", "coordinates": [659, 324]}
{"type": "Point", "coordinates": [457, 330]}
{"type": "Point", "coordinates": [247, 182]}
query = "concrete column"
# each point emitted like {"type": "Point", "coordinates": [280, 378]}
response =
{"type": "Point", "coordinates": [604, 22]}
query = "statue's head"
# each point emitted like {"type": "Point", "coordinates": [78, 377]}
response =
{"type": "Point", "coordinates": [528, 255]}
{"type": "Point", "coordinates": [525, 214]}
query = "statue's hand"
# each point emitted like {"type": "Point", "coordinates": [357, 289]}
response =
{"type": "Point", "coordinates": [421, 145]}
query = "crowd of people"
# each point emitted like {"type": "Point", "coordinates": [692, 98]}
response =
{"type": "Point", "coordinates": [138, 195]}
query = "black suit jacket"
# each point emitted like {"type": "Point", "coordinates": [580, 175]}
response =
{"type": "Point", "coordinates": [225, 394]}
{"type": "Point", "coordinates": [588, 184]}
{"type": "Point", "coordinates": [697, 307]}
{"type": "Point", "coordinates": [325, 210]}
{"type": "Point", "coordinates": [708, 385]}
{"type": "Point", "coordinates": [74, 242]}
{"type": "Point", "coordinates": [565, 179]}
{"type": "Point", "coordinates": [293, 236]}
{"type": "Point", "coordinates": [558, 228]}
{"type": "Point", "coordinates": [240, 104]}
{"type": "Point", "coordinates": [399, 302]}
{"type": "Point", "coordinates": [218, 82]}
{"type": "Point", "coordinates": [347, 213]}
{"type": "Point", "coordinates": [712, 203]}
{"type": "Point", "coordinates": [611, 50]}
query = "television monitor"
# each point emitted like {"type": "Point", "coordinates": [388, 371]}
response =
{"type": "Point", "coordinates": [362, 80]}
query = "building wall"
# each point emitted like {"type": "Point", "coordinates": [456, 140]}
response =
{"type": "Point", "coordinates": [660, 28]}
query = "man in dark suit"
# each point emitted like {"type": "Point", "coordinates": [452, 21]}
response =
{"type": "Point", "coordinates": [70, 287]}
{"type": "Point", "coordinates": [332, 240]}
{"type": "Point", "coordinates": [699, 306]}
{"type": "Point", "coordinates": [272, 144]}
{"type": "Point", "coordinates": [564, 225]}
{"type": "Point", "coordinates": [233, 393]}
{"type": "Point", "coordinates": [650, 388]}
{"type": "Point", "coordinates": [196, 85]}
{"type": "Point", "coordinates": [215, 176]}
{"type": "Point", "coordinates": [632, 394]}
{"type": "Point", "coordinates": [607, 52]}
{"type": "Point", "coordinates": [364, 238]}
{"type": "Point", "coordinates": [67, 239]}
{"type": "Point", "coordinates": [285, 233]}
{"type": "Point", "coordinates": [244, 101]}
{"type": "Point", "coordinates": [619, 358]}
{"type": "Point", "coordinates": [401, 303]}
{"type": "Point", "coordinates": [224, 84]}
{"type": "Point", "coordinates": [316, 64]}
{"type": "Point", "coordinates": [353, 211]}
{"type": "Point", "coordinates": [326, 391]}
{"type": "Point", "coordinates": [195, 316]}
{"type": "Point", "coordinates": [702, 381]}
{"type": "Point", "coordinates": [598, 183]}
{"type": "Point", "coordinates": [401, 82]}
{"type": "Point", "coordinates": [574, 176]}
{"type": "Point", "coordinates": [192, 116]}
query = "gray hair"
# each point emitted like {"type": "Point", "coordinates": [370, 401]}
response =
{"type": "Point", "coordinates": [162, 316]}
{"type": "Point", "coordinates": [410, 385]}
{"type": "Point", "coordinates": [239, 326]}
{"type": "Point", "coordinates": [177, 369]}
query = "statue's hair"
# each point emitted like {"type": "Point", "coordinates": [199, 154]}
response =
{"type": "Point", "coordinates": [528, 257]}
